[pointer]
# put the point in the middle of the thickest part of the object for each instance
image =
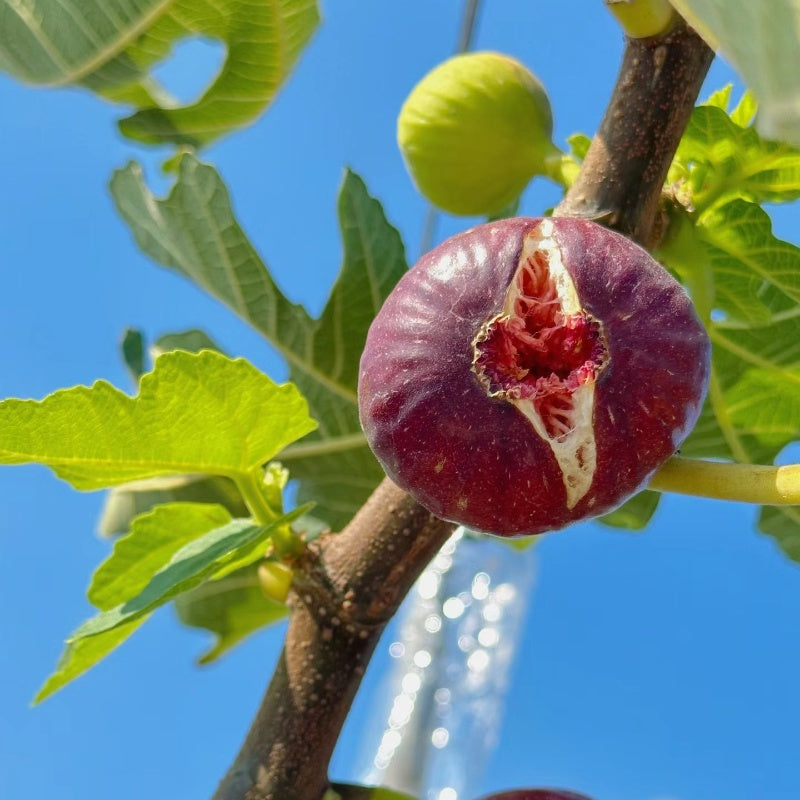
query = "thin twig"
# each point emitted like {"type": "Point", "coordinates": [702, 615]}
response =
{"type": "Point", "coordinates": [465, 36]}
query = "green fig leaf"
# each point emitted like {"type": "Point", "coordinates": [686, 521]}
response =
{"type": "Point", "coordinates": [783, 524]}
{"type": "Point", "coordinates": [81, 655]}
{"type": "Point", "coordinates": [111, 46]}
{"type": "Point", "coordinates": [153, 540]}
{"type": "Point", "coordinates": [746, 286]}
{"type": "Point", "coordinates": [722, 157]}
{"type": "Point", "coordinates": [763, 44]}
{"type": "Point", "coordinates": [194, 413]}
{"type": "Point", "coordinates": [125, 502]}
{"type": "Point", "coordinates": [189, 566]}
{"type": "Point", "coordinates": [184, 557]}
{"type": "Point", "coordinates": [194, 232]}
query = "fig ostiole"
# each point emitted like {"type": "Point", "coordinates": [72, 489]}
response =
{"type": "Point", "coordinates": [474, 131]}
{"type": "Point", "coordinates": [531, 373]}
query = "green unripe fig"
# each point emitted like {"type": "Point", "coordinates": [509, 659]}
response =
{"type": "Point", "coordinates": [641, 19]}
{"type": "Point", "coordinates": [474, 131]}
{"type": "Point", "coordinates": [275, 579]}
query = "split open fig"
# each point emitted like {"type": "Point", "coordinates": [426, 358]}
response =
{"type": "Point", "coordinates": [530, 373]}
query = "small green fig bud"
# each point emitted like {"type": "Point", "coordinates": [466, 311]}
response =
{"type": "Point", "coordinates": [474, 131]}
{"type": "Point", "coordinates": [275, 579]}
{"type": "Point", "coordinates": [641, 19]}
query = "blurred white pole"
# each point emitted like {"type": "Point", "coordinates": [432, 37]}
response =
{"type": "Point", "coordinates": [450, 664]}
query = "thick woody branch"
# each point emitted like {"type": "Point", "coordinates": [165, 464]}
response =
{"type": "Point", "coordinates": [623, 174]}
{"type": "Point", "coordinates": [346, 589]}
{"type": "Point", "coordinates": [349, 585]}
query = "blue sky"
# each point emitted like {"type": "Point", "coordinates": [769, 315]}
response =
{"type": "Point", "coordinates": [656, 666]}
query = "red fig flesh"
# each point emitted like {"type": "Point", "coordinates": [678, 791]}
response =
{"type": "Point", "coordinates": [530, 373]}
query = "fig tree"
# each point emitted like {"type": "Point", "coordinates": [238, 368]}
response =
{"type": "Point", "coordinates": [474, 131]}
{"type": "Point", "coordinates": [530, 373]}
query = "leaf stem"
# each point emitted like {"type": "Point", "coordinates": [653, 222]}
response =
{"type": "Point", "coordinates": [561, 167]}
{"type": "Point", "coordinates": [249, 484]}
{"type": "Point", "coordinates": [746, 483]}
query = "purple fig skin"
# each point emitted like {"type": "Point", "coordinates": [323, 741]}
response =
{"type": "Point", "coordinates": [475, 459]}
{"type": "Point", "coordinates": [537, 794]}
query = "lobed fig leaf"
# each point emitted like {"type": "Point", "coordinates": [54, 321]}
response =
{"type": "Point", "coordinates": [474, 131]}
{"type": "Point", "coordinates": [531, 373]}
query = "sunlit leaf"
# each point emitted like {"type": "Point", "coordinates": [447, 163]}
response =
{"type": "Point", "coordinates": [111, 46]}
{"type": "Point", "coordinates": [724, 157]}
{"type": "Point", "coordinates": [746, 283]}
{"type": "Point", "coordinates": [188, 567]}
{"type": "Point", "coordinates": [762, 41]}
{"type": "Point", "coordinates": [766, 402]}
{"type": "Point", "coordinates": [195, 232]}
{"type": "Point", "coordinates": [125, 502]}
{"type": "Point", "coordinates": [748, 263]}
{"type": "Point", "coordinates": [194, 413]}
{"type": "Point", "coordinates": [81, 655]}
{"type": "Point", "coordinates": [153, 540]}
{"type": "Point", "coordinates": [149, 584]}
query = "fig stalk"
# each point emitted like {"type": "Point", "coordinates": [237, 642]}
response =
{"type": "Point", "coordinates": [746, 483]}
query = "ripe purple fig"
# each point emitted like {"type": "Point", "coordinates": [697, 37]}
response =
{"type": "Point", "coordinates": [530, 373]}
{"type": "Point", "coordinates": [537, 794]}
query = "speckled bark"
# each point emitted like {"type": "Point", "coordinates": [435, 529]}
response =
{"type": "Point", "coordinates": [624, 171]}
{"type": "Point", "coordinates": [345, 591]}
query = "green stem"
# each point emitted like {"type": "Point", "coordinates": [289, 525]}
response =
{"type": "Point", "coordinates": [561, 167]}
{"type": "Point", "coordinates": [746, 483]}
{"type": "Point", "coordinates": [249, 485]}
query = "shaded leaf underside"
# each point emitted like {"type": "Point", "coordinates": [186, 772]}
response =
{"type": "Point", "coordinates": [111, 46]}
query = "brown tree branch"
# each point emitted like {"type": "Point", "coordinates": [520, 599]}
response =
{"type": "Point", "coordinates": [623, 174]}
{"type": "Point", "coordinates": [346, 589]}
{"type": "Point", "coordinates": [348, 585]}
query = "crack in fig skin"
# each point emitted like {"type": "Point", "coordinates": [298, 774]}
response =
{"type": "Point", "coordinates": [475, 459]}
{"type": "Point", "coordinates": [543, 355]}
